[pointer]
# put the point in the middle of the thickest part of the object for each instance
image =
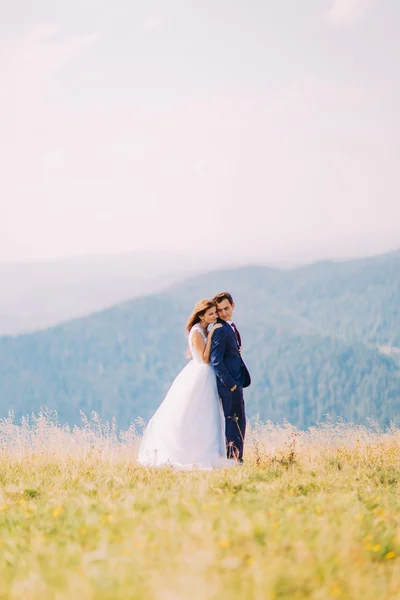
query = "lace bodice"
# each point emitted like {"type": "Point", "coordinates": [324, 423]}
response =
{"type": "Point", "coordinates": [193, 351]}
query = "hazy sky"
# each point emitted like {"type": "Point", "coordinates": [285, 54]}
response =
{"type": "Point", "coordinates": [265, 128]}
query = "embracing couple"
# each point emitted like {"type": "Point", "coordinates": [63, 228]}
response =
{"type": "Point", "coordinates": [202, 422]}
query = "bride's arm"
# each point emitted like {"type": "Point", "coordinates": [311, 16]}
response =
{"type": "Point", "coordinates": [202, 348]}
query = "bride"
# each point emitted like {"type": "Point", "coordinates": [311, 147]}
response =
{"type": "Point", "coordinates": [188, 429]}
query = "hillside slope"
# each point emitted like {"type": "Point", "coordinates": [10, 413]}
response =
{"type": "Point", "coordinates": [317, 340]}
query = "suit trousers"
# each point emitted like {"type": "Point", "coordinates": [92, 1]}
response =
{"type": "Point", "coordinates": [235, 420]}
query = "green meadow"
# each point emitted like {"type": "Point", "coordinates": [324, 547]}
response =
{"type": "Point", "coordinates": [311, 514]}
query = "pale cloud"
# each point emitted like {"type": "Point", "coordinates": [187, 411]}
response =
{"type": "Point", "coordinates": [42, 50]}
{"type": "Point", "coordinates": [343, 11]}
{"type": "Point", "coordinates": [28, 64]}
{"type": "Point", "coordinates": [28, 61]}
{"type": "Point", "coordinates": [31, 144]}
{"type": "Point", "coordinates": [55, 160]}
{"type": "Point", "coordinates": [311, 94]}
{"type": "Point", "coordinates": [152, 24]}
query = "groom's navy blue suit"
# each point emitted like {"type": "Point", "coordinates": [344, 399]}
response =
{"type": "Point", "coordinates": [230, 370]}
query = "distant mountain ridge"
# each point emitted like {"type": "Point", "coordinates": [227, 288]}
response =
{"type": "Point", "coordinates": [318, 339]}
{"type": "Point", "coordinates": [37, 295]}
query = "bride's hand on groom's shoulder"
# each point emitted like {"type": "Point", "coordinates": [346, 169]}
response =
{"type": "Point", "coordinates": [213, 327]}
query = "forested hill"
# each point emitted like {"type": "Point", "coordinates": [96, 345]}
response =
{"type": "Point", "coordinates": [321, 339]}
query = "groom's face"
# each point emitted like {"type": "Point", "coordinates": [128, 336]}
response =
{"type": "Point", "coordinates": [225, 310]}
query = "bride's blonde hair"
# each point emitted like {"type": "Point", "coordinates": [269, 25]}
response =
{"type": "Point", "coordinates": [200, 309]}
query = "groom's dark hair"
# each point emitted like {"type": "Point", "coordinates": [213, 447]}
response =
{"type": "Point", "coordinates": [223, 296]}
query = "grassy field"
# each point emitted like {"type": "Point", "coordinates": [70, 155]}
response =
{"type": "Point", "coordinates": [310, 515]}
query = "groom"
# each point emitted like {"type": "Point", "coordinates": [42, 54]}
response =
{"type": "Point", "coordinates": [232, 375]}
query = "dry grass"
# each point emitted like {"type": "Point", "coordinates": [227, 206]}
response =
{"type": "Point", "coordinates": [312, 514]}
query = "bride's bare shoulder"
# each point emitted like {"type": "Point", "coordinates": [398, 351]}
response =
{"type": "Point", "coordinates": [195, 329]}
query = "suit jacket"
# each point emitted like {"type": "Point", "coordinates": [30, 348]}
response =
{"type": "Point", "coordinates": [226, 359]}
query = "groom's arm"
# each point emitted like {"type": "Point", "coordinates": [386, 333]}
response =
{"type": "Point", "coordinates": [218, 346]}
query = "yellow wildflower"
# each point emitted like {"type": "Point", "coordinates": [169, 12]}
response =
{"type": "Point", "coordinates": [390, 555]}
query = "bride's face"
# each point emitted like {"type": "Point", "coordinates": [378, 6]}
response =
{"type": "Point", "coordinates": [210, 316]}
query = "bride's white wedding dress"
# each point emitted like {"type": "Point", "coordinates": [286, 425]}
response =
{"type": "Point", "coordinates": [188, 429]}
